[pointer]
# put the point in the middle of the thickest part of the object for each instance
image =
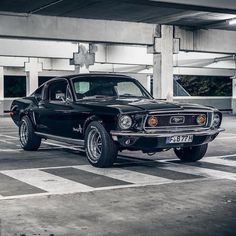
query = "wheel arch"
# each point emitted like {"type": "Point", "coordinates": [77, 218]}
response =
{"type": "Point", "coordinates": [89, 120]}
{"type": "Point", "coordinates": [29, 115]}
{"type": "Point", "coordinates": [106, 120]}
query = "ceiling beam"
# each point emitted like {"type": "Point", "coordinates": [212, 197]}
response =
{"type": "Point", "coordinates": [76, 29]}
{"type": "Point", "coordinates": [202, 40]}
{"type": "Point", "coordinates": [203, 71]}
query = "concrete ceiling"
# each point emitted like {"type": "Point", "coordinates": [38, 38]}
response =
{"type": "Point", "coordinates": [197, 14]}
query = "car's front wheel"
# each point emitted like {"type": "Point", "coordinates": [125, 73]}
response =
{"type": "Point", "coordinates": [101, 150]}
{"type": "Point", "coordinates": [191, 154]}
{"type": "Point", "coordinates": [28, 139]}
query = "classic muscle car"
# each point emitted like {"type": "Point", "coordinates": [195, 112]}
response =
{"type": "Point", "coordinates": [107, 113]}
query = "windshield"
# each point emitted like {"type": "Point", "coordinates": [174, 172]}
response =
{"type": "Point", "coordinates": [108, 86]}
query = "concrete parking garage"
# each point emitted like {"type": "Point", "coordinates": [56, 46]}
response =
{"type": "Point", "coordinates": [55, 191]}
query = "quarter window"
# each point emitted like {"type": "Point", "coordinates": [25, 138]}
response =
{"type": "Point", "coordinates": [57, 91]}
{"type": "Point", "coordinates": [82, 87]}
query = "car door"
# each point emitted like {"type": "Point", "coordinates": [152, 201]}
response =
{"type": "Point", "coordinates": [55, 110]}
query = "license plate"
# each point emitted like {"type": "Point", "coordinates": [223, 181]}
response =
{"type": "Point", "coordinates": [180, 139]}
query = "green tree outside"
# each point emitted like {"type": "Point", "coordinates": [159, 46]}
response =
{"type": "Point", "coordinates": [206, 85]}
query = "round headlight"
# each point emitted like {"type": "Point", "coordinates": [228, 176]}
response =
{"type": "Point", "coordinates": [201, 119]}
{"type": "Point", "coordinates": [216, 120]}
{"type": "Point", "coordinates": [152, 121]}
{"type": "Point", "coordinates": [125, 122]}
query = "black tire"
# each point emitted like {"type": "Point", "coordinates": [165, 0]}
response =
{"type": "Point", "coordinates": [191, 154]}
{"type": "Point", "coordinates": [28, 139]}
{"type": "Point", "coordinates": [101, 150]}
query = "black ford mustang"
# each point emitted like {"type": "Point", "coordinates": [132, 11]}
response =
{"type": "Point", "coordinates": [107, 113]}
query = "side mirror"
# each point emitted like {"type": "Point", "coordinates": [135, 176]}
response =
{"type": "Point", "coordinates": [69, 100]}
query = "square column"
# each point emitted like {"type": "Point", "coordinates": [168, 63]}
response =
{"type": "Point", "coordinates": [234, 96]}
{"type": "Point", "coordinates": [84, 58]}
{"type": "Point", "coordinates": [163, 63]}
{"type": "Point", "coordinates": [1, 90]}
{"type": "Point", "coordinates": [1, 83]}
{"type": "Point", "coordinates": [32, 69]}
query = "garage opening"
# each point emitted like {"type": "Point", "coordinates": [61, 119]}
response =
{"type": "Point", "coordinates": [14, 86]}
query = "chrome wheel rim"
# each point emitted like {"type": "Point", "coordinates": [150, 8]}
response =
{"type": "Point", "coordinates": [94, 145]}
{"type": "Point", "coordinates": [24, 133]}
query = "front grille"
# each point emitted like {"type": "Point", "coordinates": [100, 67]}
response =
{"type": "Point", "coordinates": [184, 120]}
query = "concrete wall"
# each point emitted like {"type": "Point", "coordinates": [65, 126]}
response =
{"type": "Point", "coordinates": [1, 107]}
{"type": "Point", "coordinates": [7, 103]}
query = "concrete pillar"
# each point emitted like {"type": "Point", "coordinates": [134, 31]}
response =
{"type": "Point", "coordinates": [32, 68]}
{"type": "Point", "coordinates": [1, 90]}
{"type": "Point", "coordinates": [149, 78]}
{"type": "Point", "coordinates": [83, 58]}
{"type": "Point", "coordinates": [234, 96]}
{"type": "Point", "coordinates": [163, 63]}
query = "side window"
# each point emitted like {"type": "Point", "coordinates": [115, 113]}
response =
{"type": "Point", "coordinates": [57, 91]}
{"type": "Point", "coordinates": [82, 87]}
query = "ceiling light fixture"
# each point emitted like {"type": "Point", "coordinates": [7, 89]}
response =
{"type": "Point", "coordinates": [232, 22]}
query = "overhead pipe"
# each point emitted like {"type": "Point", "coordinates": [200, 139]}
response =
{"type": "Point", "coordinates": [44, 7]}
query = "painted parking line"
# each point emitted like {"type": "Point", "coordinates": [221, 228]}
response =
{"type": "Point", "coordinates": [9, 136]}
{"type": "Point", "coordinates": [222, 156]}
{"type": "Point", "coordinates": [10, 150]}
{"type": "Point", "coordinates": [222, 138]}
{"type": "Point", "coordinates": [5, 141]}
{"type": "Point", "coordinates": [227, 133]}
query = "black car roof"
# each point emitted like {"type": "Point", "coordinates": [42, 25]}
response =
{"type": "Point", "coordinates": [96, 75]}
{"type": "Point", "coordinates": [86, 75]}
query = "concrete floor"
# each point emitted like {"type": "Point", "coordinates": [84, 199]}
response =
{"type": "Point", "coordinates": [55, 192]}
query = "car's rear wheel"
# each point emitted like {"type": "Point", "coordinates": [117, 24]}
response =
{"type": "Point", "coordinates": [101, 150]}
{"type": "Point", "coordinates": [28, 139]}
{"type": "Point", "coordinates": [191, 154]}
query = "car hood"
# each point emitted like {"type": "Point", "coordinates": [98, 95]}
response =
{"type": "Point", "coordinates": [139, 105]}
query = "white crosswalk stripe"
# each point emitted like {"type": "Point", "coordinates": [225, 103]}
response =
{"type": "Point", "coordinates": [53, 184]}
{"type": "Point", "coordinates": [48, 182]}
{"type": "Point", "coordinates": [222, 161]}
{"type": "Point", "coordinates": [195, 170]}
{"type": "Point", "coordinates": [124, 175]}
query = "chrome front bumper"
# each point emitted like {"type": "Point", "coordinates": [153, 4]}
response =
{"type": "Point", "coordinates": [208, 132]}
